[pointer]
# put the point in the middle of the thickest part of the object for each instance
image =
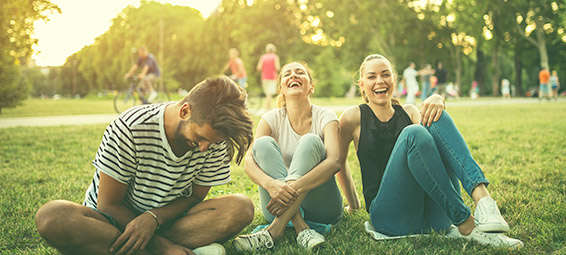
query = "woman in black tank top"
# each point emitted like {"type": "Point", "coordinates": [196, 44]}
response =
{"type": "Point", "coordinates": [411, 173]}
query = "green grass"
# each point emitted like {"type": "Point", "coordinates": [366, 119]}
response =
{"type": "Point", "coordinates": [520, 147]}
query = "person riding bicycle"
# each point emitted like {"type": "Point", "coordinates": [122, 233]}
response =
{"type": "Point", "coordinates": [149, 73]}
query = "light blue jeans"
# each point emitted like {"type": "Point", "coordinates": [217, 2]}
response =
{"type": "Point", "coordinates": [322, 204]}
{"type": "Point", "coordinates": [420, 189]}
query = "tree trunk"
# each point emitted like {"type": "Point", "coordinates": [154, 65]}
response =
{"type": "Point", "coordinates": [458, 70]}
{"type": "Point", "coordinates": [518, 72]}
{"type": "Point", "coordinates": [496, 71]}
{"type": "Point", "coordinates": [479, 74]}
{"type": "Point", "coordinates": [541, 43]}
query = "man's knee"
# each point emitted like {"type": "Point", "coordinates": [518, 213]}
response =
{"type": "Point", "coordinates": [52, 217]}
{"type": "Point", "coordinates": [242, 208]}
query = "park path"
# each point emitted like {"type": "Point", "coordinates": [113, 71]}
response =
{"type": "Point", "coordinates": [106, 118]}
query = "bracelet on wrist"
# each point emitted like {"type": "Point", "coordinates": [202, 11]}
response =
{"type": "Point", "coordinates": [154, 217]}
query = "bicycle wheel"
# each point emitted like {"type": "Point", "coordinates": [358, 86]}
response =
{"type": "Point", "coordinates": [123, 101]}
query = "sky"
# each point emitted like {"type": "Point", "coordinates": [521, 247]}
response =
{"type": "Point", "coordinates": [81, 21]}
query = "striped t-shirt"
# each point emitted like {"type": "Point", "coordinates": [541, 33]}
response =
{"type": "Point", "coordinates": [135, 151]}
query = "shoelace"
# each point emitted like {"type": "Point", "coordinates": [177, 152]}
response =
{"type": "Point", "coordinates": [260, 241]}
{"type": "Point", "coordinates": [306, 237]}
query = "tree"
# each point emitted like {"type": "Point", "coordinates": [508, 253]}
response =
{"type": "Point", "coordinates": [16, 26]}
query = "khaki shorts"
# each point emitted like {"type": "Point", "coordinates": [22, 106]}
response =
{"type": "Point", "coordinates": [269, 87]}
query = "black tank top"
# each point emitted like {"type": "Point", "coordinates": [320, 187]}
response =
{"type": "Point", "coordinates": [375, 145]}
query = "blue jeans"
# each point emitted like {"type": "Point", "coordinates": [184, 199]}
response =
{"type": "Point", "coordinates": [420, 189]}
{"type": "Point", "coordinates": [322, 204]}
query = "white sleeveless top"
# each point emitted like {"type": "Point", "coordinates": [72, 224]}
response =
{"type": "Point", "coordinates": [284, 134]}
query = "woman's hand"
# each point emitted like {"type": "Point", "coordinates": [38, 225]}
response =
{"type": "Point", "coordinates": [136, 235]}
{"type": "Point", "coordinates": [281, 192]}
{"type": "Point", "coordinates": [431, 109]}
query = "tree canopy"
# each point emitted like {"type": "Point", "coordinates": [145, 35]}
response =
{"type": "Point", "coordinates": [483, 41]}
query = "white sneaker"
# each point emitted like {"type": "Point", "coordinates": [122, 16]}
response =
{"type": "Point", "coordinates": [253, 242]}
{"type": "Point", "coordinates": [310, 239]}
{"type": "Point", "coordinates": [488, 218]}
{"type": "Point", "coordinates": [211, 249]}
{"type": "Point", "coordinates": [379, 236]}
{"type": "Point", "coordinates": [491, 239]}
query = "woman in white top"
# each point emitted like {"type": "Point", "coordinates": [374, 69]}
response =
{"type": "Point", "coordinates": [293, 160]}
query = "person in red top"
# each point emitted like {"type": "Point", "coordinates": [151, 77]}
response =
{"type": "Point", "coordinates": [544, 78]}
{"type": "Point", "coordinates": [269, 66]}
{"type": "Point", "coordinates": [237, 68]}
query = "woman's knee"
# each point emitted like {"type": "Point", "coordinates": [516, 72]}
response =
{"type": "Point", "coordinates": [265, 146]}
{"type": "Point", "coordinates": [312, 142]}
{"type": "Point", "coordinates": [416, 134]}
{"type": "Point", "coordinates": [312, 139]}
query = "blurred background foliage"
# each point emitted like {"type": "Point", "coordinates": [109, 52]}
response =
{"type": "Point", "coordinates": [483, 41]}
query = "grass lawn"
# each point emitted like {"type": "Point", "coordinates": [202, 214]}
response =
{"type": "Point", "coordinates": [521, 148]}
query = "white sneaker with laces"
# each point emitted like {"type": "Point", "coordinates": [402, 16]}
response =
{"type": "Point", "coordinates": [488, 218]}
{"type": "Point", "coordinates": [253, 242]}
{"type": "Point", "coordinates": [211, 249]}
{"type": "Point", "coordinates": [310, 239]}
{"type": "Point", "coordinates": [491, 239]}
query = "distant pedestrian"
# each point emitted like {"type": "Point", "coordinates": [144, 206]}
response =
{"type": "Point", "coordinates": [269, 66]}
{"type": "Point", "coordinates": [410, 78]}
{"type": "Point", "coordinates": [555, 84]}
{"type": "Point", "coordinates": [237, 68]}
{"type": "Point", "coordinates": [440, 73]}
{"type": "Point", "coordinates": [475, 90]}
{"type": "Point", "coordinates": [544, 87]}
{"type": "Point", "coordinates": [426, 75]}
{"type": "Point", "coordinates": [505, 89]}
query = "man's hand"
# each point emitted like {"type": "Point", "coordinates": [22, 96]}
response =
{"type": "Point", "coordinates": [431, 109]}
{"type": "Point", "coordinates": [141, 76]}
{"type": "Point", "coordinates": [281, 192]}
{"type": "Point", "coordinates": [136, 235]}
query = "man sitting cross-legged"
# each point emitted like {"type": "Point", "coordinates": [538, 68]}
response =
{"type": "Point", "coordinates": [155, 165]}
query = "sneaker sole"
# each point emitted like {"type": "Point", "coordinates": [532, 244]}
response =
{"type": "Point", "coordinates": [493, 228]}
{"type": "Point", "coordinates": [212, 249]}
{"type": "Point", "coordinates": [318, 245]}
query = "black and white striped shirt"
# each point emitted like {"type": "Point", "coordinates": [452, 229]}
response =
{"type": "Point", "coordinates": [135, 151]}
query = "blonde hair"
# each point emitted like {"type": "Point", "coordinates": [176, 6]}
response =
{"type": "Point", "coordinates": [363, 67]}
{"type": "Point", "coordinates": [281, 98]}
{"type": "Point", "coordinates": [270, 48]}
{"type": "Point", "coordinates": [220, 102]}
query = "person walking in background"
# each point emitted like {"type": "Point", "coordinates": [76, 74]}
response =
{"type": "Point", "coordinates": [148, 74]}
{"type": "Point", "coordinates": [237, 68]}
{"type": "Point", "coordinates": [426, 75]}
{"type": "Point", "coordinates": [544, 80]}
{"type": "Point", "coordinates": [475, 90]}
{"type": "Point", "coordinates": [411, 84]}
{"type": "Point", "coordinates": [554, 84]}
{"type": "Point", "coordinates": [440, 73]}
{"type": "Point", "coordinates": [153, 170]}
{"type": "Point", "coordinates": [505, 88]}
{"type": "Point", "coordinates": [268, 65]}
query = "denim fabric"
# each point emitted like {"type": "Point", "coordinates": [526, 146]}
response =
{"type": "Point", "coordinates": [420, 190]}
{"type": "Point", "coordinates": [322, 204]}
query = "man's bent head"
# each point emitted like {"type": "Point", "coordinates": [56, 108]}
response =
{"type": "Point", "coordinates": [221, 103]}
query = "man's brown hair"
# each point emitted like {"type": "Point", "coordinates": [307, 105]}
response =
{"type": "Point", "coordinates": [221, 103]}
